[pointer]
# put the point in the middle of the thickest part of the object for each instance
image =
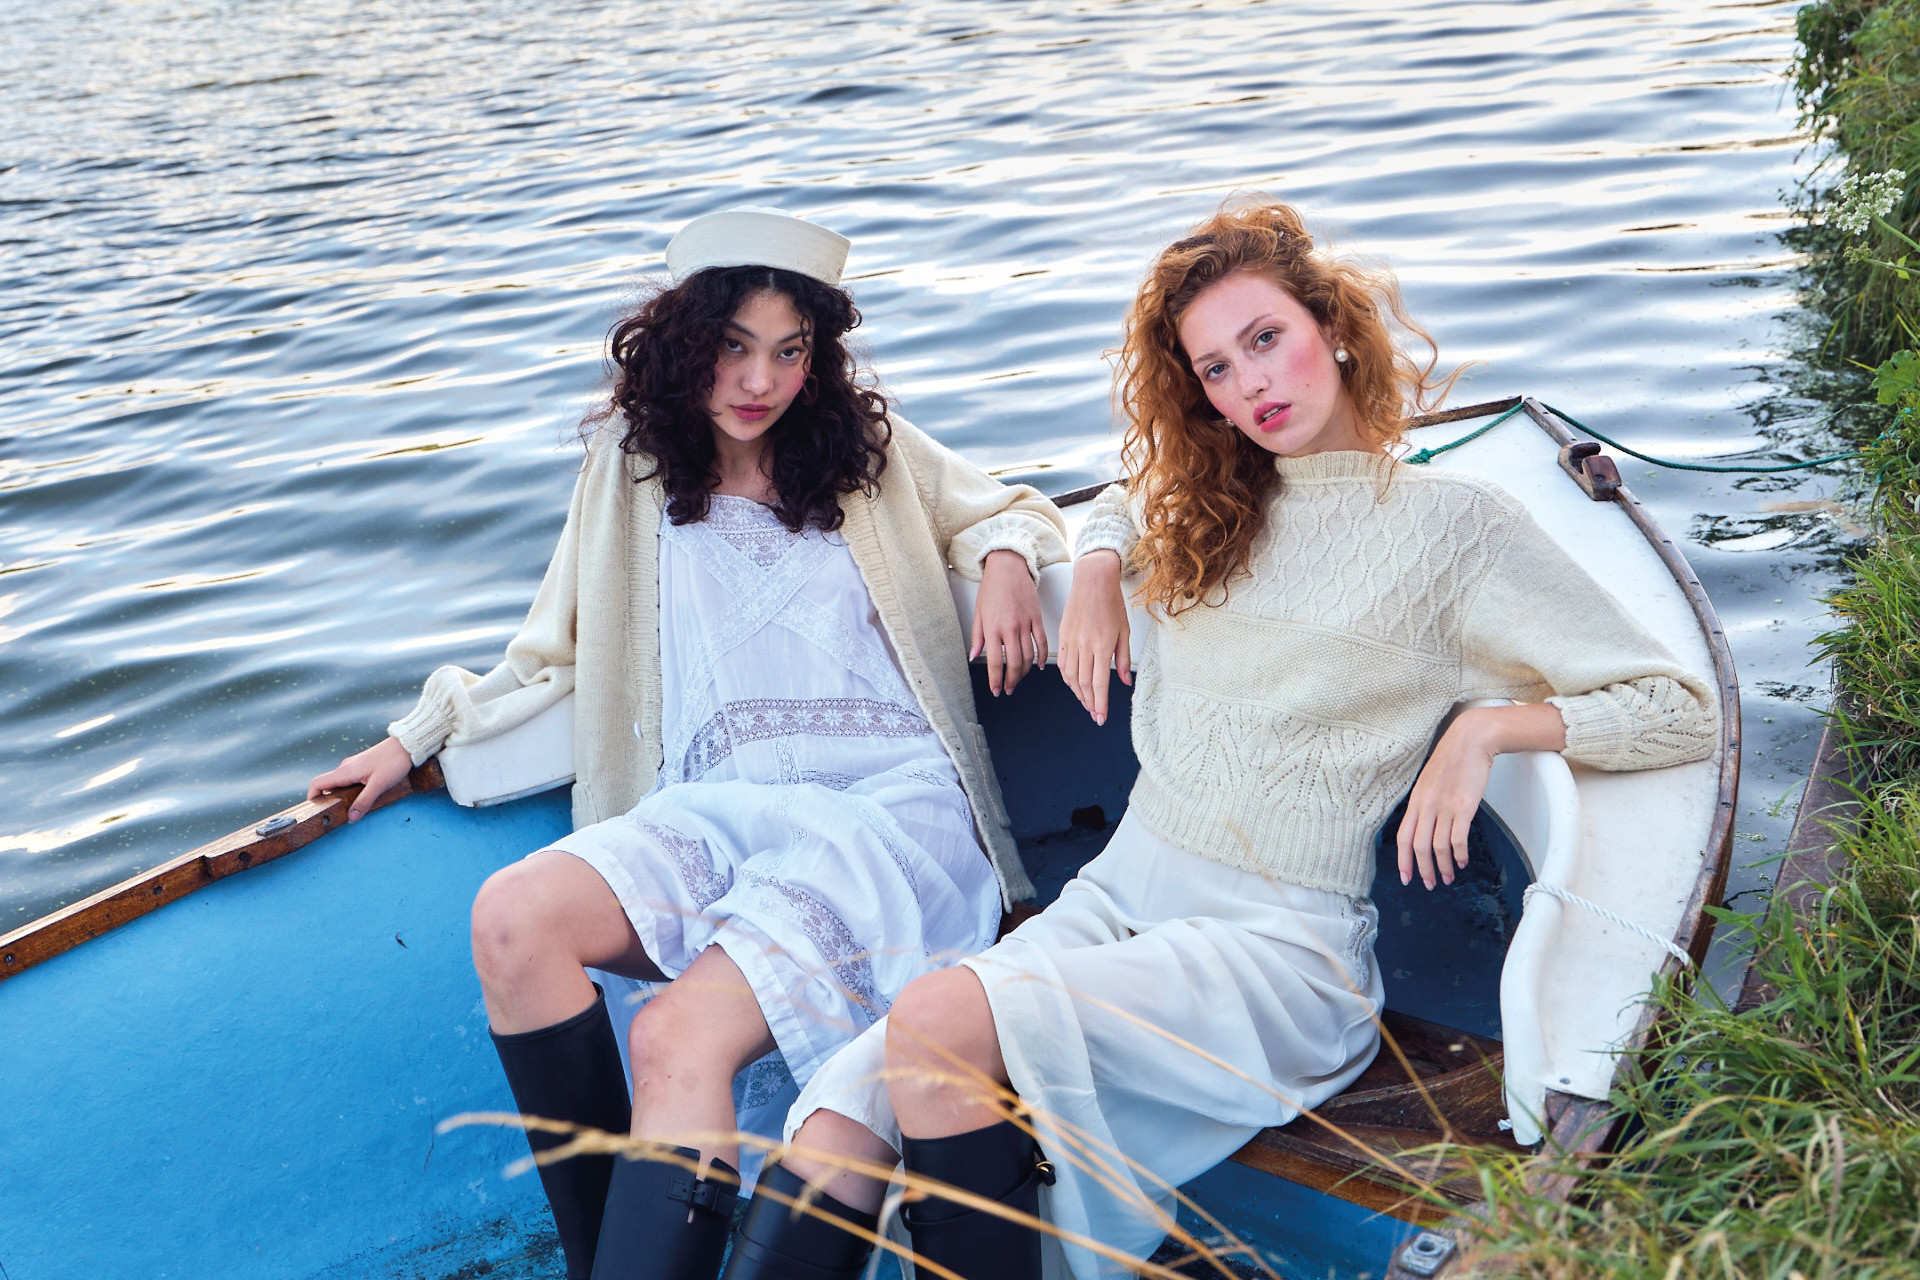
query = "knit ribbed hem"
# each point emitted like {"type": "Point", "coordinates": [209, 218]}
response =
{"type": "Point", "coordinates": [1004, 532]}
{"type": "Point", "coordinates": [1598, 728]}
{"type": "Point", "coordinates": [1105, 535]}
{"type": "Point", "coordinates": [1336, 464]}
{"type": "Point", "coordinates": [1332, 852]}
{"type": "Point", "coordinates": [424, 730]}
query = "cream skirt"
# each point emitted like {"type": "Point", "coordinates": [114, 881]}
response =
{"type": "Point", "coordinates": [1154, 1018]}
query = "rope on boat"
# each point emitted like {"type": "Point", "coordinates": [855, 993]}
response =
{"type": "Point", "coordinates": [1567, 895]}
{"type": "Point", "coordinates": [1428, 455]}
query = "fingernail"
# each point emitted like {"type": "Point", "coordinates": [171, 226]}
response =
{"type": "Point", "coordinates": [1405, 878]}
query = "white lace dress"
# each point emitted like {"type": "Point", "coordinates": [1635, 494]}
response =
{"type": "Point", "coordinates": [806, 818]}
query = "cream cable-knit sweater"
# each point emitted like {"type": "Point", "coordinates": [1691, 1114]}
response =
{"type": "Point", "coordinates": [1278, 727]}
{"type": "Point", "coordinates": [594, 628]}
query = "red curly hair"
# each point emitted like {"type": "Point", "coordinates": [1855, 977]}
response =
{"type": "Point", "coordinates": [1202, 485]}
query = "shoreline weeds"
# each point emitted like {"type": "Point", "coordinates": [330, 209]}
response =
{"type": "Point", "coordinates": [1781, 1138]}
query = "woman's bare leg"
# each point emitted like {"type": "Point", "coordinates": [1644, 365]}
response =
{"type": "Point", "coordinates": [537, 926]}
{"type": "Point", "coordinates": [685, 1046]}
{"type": "Point", "coordinates": [944, 1069]}
{"type": "Point", "coordinates": [818, 1151]}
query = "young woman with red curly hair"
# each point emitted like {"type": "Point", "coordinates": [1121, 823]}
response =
{"type": "Point", "coordinates": [1319, 609]}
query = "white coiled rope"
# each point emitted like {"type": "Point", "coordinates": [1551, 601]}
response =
{"type": "Point", "coordinates": [1567, 895]}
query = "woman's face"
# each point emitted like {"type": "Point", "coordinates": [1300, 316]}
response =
{"type": "Point", "coordinates": [1268, 368]}
{"type": "Point", "coordinates": [761, 368]}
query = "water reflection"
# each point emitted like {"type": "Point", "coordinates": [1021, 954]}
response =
{"type": "Point", "coordinates": [299, 306]}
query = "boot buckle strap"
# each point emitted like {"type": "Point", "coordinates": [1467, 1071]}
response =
{"type": "Point", "coordinates": [1046, 1172]}
{"type": "Point", "coordinates": [700, 1193]}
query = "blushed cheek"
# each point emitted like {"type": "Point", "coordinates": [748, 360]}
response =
{"type": "Point", "coordinates": [791, 380]}
{"type": "Point", "coordinates": [1216, 394]}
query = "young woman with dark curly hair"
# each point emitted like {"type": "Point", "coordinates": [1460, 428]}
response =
{"type": "Point", "coordinates": [783, 802]}
{"type": "Point", "coordinates": [1318, 610]}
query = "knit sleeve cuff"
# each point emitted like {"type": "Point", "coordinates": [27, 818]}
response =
{"type": "Point", "coordinates": [1008, 531]}
{"type": "Point", "coordinates": [425, 729]}
{"type": "Point", "coordinates": [1109, 527]}
{"type": "Point", "coordinates": [1639, 724]}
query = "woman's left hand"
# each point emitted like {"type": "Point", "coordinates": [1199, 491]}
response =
{"type": "Point", "coordinates": [1440, 812]}
{"type": "Point", "coordinates": [1007, 625]}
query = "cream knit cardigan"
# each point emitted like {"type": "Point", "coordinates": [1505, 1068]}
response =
{"type": "Point", "coordinates": [594, 629]}
{"type": "Point", "coordinates": [1277, 727]}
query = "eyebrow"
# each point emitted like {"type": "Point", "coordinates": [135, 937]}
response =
{"type": "Point", "coordinates": [1259, 321]}
{"type": "Point", "coordinates": [740, 328]}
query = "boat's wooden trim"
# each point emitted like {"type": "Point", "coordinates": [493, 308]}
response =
{"type": "Point", "coordinates": [1696, 926]}
{"type": "Point", "coordinates": [174, 879]}
{"type": "Point", "coordinates": [1583, 1126]}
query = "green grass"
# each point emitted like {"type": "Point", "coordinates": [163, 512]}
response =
{"type": "Point", "coordinates": [1784, 1141]}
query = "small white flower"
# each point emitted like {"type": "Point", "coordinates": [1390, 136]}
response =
{"type": "Point", "coordinates": [1865, 196]}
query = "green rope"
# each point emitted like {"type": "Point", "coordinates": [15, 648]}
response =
{"type": "Point", "coordinates": [1428, 455]}
{"type": "Point", "coordinates": [1696, 466]}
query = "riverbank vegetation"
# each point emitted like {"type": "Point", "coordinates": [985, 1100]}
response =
{"type": "Point", "coordinates": [1783, 1141]}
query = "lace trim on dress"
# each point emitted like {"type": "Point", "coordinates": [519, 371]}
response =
{"type": "Point", "coordinates": [757, 598]}
{"type": "Point", "coordinates": [763, 595]}
{"type": "Point", "coordinates": [763, 719]}
{"type": "Point", "coordinates": [704, 885]}
{"type": "Point", "coordinates": [744, 524]}
{"type": "Point", "coordinates": [851, 963]}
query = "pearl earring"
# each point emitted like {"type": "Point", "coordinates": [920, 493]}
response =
{"type": "Point", "coordinates": [1340, 354]}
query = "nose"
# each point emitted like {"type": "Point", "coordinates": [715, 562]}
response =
{"type": "Point", "coordinates": [758, 376]}
{"type": "Point", "coordinates": [1252, 380]}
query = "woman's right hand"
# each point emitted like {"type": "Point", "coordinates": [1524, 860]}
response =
{"type": "Point", "coordinates": [1094, 632]}
{"type": "Point", "coordinates": [378, 769]}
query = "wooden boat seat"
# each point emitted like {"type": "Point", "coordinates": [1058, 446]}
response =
{"type": "Point", "coordinates": [1453, 1094]}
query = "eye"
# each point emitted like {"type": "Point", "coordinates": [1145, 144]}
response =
{"type": "Point", "coordinates": [1265, 338]}
{"type": "Point", "coordinates": [1213, 370]}
{"type": "Point", "coordinates": [731, 346]}
{"type": "Point", "coordinates": [793, 353]}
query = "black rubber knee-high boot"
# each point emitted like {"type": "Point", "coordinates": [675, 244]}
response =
{"type": "Point", "coordinates": [662, 1223]}
{"type": "Point", "coordinates": [1000, 1162]}
{"type": "Point", "coordinates": [774, 1243]}
{"type": "Point", "coordinates": [571, 1071]}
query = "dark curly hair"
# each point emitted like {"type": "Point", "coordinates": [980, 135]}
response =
{"type": "Point", "coordinates": [831, 441]}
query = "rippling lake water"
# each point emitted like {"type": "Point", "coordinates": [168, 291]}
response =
{"type": "Point", "coordinates": [299, 306]}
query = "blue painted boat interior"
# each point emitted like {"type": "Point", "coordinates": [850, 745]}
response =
{"type": "Point", "coordinates": [247, 1083]}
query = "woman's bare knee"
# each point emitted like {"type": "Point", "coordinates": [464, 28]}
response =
{"type": "Point", "coordinates": [945, 1073]}
{"type": "Point", "coordinates": [537, 925]}
{"type": "Point", "coordinates": [843, 1158]}
{"type": "Point", "coordinates": [688, 1042]}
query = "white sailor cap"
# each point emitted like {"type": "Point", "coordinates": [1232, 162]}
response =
{"type": "Point", "coordinates": [755, 236]}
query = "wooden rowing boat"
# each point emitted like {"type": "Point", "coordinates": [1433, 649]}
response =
{"type": "Point", "coordinates": [250, 1083]}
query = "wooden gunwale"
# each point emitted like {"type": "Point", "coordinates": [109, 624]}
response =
{"type": "Point", "coordinates": [1585, 1126]}
{"type": "Point", "coordinates": [175, 878]}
